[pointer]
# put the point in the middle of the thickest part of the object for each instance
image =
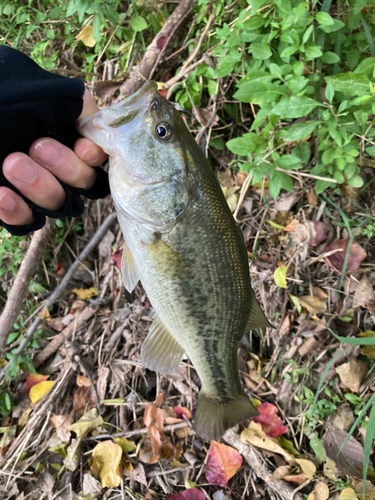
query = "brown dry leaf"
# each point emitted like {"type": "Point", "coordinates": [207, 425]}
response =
{"type": "Point", "coordinates": [313, 304]}
{"type": "Point", "coordinates": [83, 400]}
{"type": "Point", "coordinates": [312, 198]}
{"type": "Point", "coordinates": [154, 421]}
{"type": "Point", "coordinates": [146, 453]}
{"type": "Point", "coordinates": [89, 422]}
{"type": "Point", "coordinates": [342, 419]}
{"type": "Point", "coordinates": [205, 116]}
{"type": "Point", "coordinates": [356, 255]}
{"type": "Point", "coordinates": [44, 313]}
{"type": "Point", "coordinates": [286, 201]}
{"type": "Point", "coordinates": [83, 381]}
{"type": "Point", "coordinates": [39, 390]}
{"type": "Point", "coordinates": [105, 463]}
{"type": "Point", "coordinates": [298, 478]}
{"type": "Point", "coordinates": [62, 423]}
{"type": "Point", "coordinates": [358, 487]}
{"type": "Point", "coordinates": [320, 492]}
{"type": "Point", "coordinates": [137, 474]}
{"type": "Point", "coordinates": [352, 373]}
{"type": "Point", "coordinates": [291, 227]}
{"type": "Point", "coordinates": [307, 467]}
{"type": "Point", "coordinates": [255, 436]}
{"type": "Point", "coordinates": [317, 232]}
{"type": "Point", "coordinates": [319, 293]}
{"type": "Point", "coordinates": [364, 293]}
{"type": "Point", "coordinates": [348, 494]}
{"type": "Point", "coordinates": [350, 460]}
{"type": "Point", "coordinates": [280, 472]}
{"type": "Point", "coordinates": [330, 470]}
{"type": "Point", "coordinates": [86, 36]}
{"type": "Point", "coordinates": [56, 324]}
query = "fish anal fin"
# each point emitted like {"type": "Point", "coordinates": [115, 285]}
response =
{"type": "Point", "coordinates": [257, 318]}
{"type": "Point", "coordinates": [213, 418]}
{"type": "Point", "coordinates": [160, 351]}
{"type": "Point", "coordinates": [129, 270]}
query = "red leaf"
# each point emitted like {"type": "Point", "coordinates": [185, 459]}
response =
{"type": "Point", "coordinates": [270, 422]}
{"type": "Point", "coordinates": [356, 255]}
{"type": "Point", "coordinates": [181, 410]}
{"type": "Point", "coordinates": [160, 42]}
{"type": "Point", "coordinates": [163, 93]}
{"type": "Point", "coordinates": [32, 379]}
{"type": "Point", "coordinates": [190, 494]}
{"type": "Point", "coordinates": [318, 232]}
{"type": "Point", "coordinates": [223, 463]}
{"type": "Point", "coordinates": [116, 258]}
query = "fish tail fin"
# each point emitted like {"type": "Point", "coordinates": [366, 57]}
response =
{"type": "Point", "coordinates": [213, 418]}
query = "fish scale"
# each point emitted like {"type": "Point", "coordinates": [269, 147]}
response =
{"type": "Point", "coordinates": [184, 246]}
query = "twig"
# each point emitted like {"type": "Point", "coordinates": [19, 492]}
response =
{"type": "Point", "coordinates": [98, 236]}
{"type": "Point", "coordinates": [283, 490]}
{"type": "Point", "coordinates": [20, 287]}
{"type": "Point", "coordinates": [137, 432]}
{"type": "Point", "coordinates": [143, 69]}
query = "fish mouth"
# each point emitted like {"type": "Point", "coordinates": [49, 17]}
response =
{"type": "Point", "coordinates": [155, 181]}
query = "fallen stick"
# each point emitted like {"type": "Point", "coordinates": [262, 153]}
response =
{"type": "Point", "coordinates": [281, 488]}
{"type": "Point", "coordinates": [19, 289]}
{"type": "Point", "coordinates": [96, 239]}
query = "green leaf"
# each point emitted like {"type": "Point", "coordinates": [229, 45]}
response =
{"type": "Point", "coordinates": [367, 66]}
{"type": "Point", "coordinates": [331, 28]}
{"type": "Point", "coordinates": [330, 58]}
{"type": "Point", "coordinates": [276, 71]}
{"type": "Point", "coordinates": [289, 51]}
{"type": "Point", "coordinates": [324, 18]}
{"type": "Point", "coordinates": [358, 6]}
{"type": "Point", "coordinates": [312, 51]}
{"type": "Point", "coordinates": [137, 23]}
{"type": "Point", "coordinates": [369, 438]}
{"type": "Point", "coordinates": [370, 150]}
{"type": "Point", "coordinates": [289, 162]}
{"type": "Point", "coordinates": [356, 181]}
{"type": "Point", "coordinates": [255, 5]}
{"type": "Point", "coordinates": [352, 58]}
{"type": "Point", "coordinates": [256, 76]}
{"type": "Point", "coordinates": [330, 92]}
{"type": "Point", "coordinates": [294, 107]}
{"type": "Point", "coordinates": [259, 92]}
{"type": "Point", "coordinates": [275, 185]}
{"type": "Point", "coordinates": [96, 28]}
{"type": "Point", "coordinates": [239, 146]}
{"type": "Point", "coordinates": [317, 445]}
{"type": "Point", "coordinates": [351, 84]}
{"type": "Point", "coordinates": [260, 51]}
{"type": "Point", "coordinates": [280, 277]}
{"type": "Point", "coordinates": [299, 131]}
{"type": "Point", "coordinates": [307, 34]}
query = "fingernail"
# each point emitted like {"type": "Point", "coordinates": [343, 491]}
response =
{"type": "Point", "coordinates": [86, 155]}
{"type": "Point", "coordinates": [48, 152]}
{"type": "Point", "coordinates": [7, 202]}
{"type": "Point", "coordinates": [22, 170]}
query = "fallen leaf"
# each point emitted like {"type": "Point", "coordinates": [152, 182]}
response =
{"type": "Point", "coordinates": [90, 485]}
{"type": "Point", "coordinates": [352, 373]}
{"type": "Point", "coordinates": [180, 411]}
{"type": "Point", "coordinates": [280, 472]}
{"type": "Point", "coordinates": [9, 433]}
{"type": "Point", "coordinates": [317, 232]}
{"type": "Point", "coordinates": [86, 36]}
{"type": "Point", "coordinates": [190, 494]}
{"type": "Point", "coordinates": [364, 293]}
{"type": "Point", "coordinates": [275, 225]}
{"type": "Point", "coordinates": [286, 201]}
{"type": "Point", "coordinates": [280, 277]}
{"type": "Point", "coordinates": [154, 421]}
{"type": "Point", "coordinates": [320, 492]}
{"type": "Point", "coordinates": [33, 379]}
{"type": "Point", "coordinates": [106, 89]}
{"type": "Point", "coordinates": [116, 258]}
{"type": "Point", "coordinates": [62, 423]}
{"type": "Point", "coordinates": [44, 313]}
{"type": "Point", "coordinates": [348, 494]}
{"type": "Point", "coordinates": [39, 390]}
{"type": "Point", "coordinates": [255, 436]}
{"type": "Point", "coordinates": [368, 351]}
{"type": "Point", "coordinates": [89, 422]}
{"type": "Point", "coordinates": [297, 478]}
{"type": "Point", "coordinates": [313, 304]}
{"type": "Point", "coordinates": [73, 454]}
{"type": "Point", "coordinates": [330, 470]}
{"type": "Point", "coordinates": [83, 400]}
{"type": "Point", "coordinates": [312, 198]}
{"type": "Point", "coordinates": [105, 246]}
{"type": "Point", "coordinates": [125, 444]}
{"type": "Point", "coordinates": [223, 462]}
{"type": "Point", "coordinates": [105, 463]}
{"type": "Point", "coordinates": [307, 467]}
{"type": "Point", "coordinates": [291, 227]}
{"type": "Point", "coordinates": [137, 474]}
{"type": "Point", "coordinates": [356, 255]}
{"type": "Point", "coordinates": [350, 459]}
{"type": "Point", "coordinates": [271, 423]}
{"type": "Point", "coordinates": [342, 419]}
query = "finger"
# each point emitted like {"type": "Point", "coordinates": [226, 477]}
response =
{"type": "Point", "coordinates": [33, 181]}
{"type": "Point", "coordinates": [63, 163]}
{"type": "Point", "coordinates": [13, 209]}
{"type": "Point", "coordinates": [89, 105]}
{"type": "Point", "coordinates": [89, 152]}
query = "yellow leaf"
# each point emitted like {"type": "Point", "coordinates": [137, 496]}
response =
{"type": "Point", "coordinates": [320, 492]}
{"type": "Point", "coordinates": [330, 470]}
{"type": "Point", "coordinates": [105, 463]}
{"type": "Point", "coordinates": [313, 304]}
{"type": "Point", "coordinates": [348, 494]}
{"type": "Point", "coordinates": [280, 277]}
{"type": "Point", "coordinates": [190, 484]}
{"type": "Point", "coordinates": [39, 390]}
{"type": "Point", "coordinates": [85, 293]}
{"type": "Point", "coordinates": [275, 225]}
{"type": "Point", "coordinates": [125, 444]}
{"type": "Point", "coordinates": [160, 85]}
{"type": "Point", "coordinates": [44, 313]}
{"type": "Point", "coordinates": [307, 467]}
{"type": "Point", "coordinates": [86, 36]}
{"type": "Point", "coordinates": [368, 351]}
{"type": "Point", "coordinates": [89, 422]}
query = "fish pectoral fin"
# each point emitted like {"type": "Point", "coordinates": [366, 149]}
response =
{"type": "Point", "coordinates": [160, 351]}
{"type": "Point", "coordinates": [129, 269]}
{"type": "Point", "coordinates": [257, 317]}
{"type": "Point", "coordinates": [166, 258]}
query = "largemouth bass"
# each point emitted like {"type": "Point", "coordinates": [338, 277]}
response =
{"type": "Point", "coordinates": [182, 243]}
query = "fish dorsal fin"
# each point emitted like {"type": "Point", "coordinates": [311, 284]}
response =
{"type": "Point", "coordinates": [129, 270]}
{"type": "Point", "coordinates": [160, 352]}
{"type": "Point", "coordinates": [257, 317]}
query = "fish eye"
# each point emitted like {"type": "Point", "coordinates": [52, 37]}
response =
{"type": "Point", "coordinates": [163, 131]}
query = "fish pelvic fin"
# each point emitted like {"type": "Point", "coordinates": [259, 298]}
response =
{"type": "Point", "coordinates": [129, 270]}
{"type": "Point", "coordinates": [257, 317]}
{"type": "Point", "coordinates": [160, 351]}
{"type": "Point", "coordinates": [213, 418]}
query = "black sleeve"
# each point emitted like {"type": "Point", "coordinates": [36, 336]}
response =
{"type": "Point", "coordinates": [33, 104]}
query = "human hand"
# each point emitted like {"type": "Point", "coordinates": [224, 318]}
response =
{"type": "Point", "coordinates": [35, 176]}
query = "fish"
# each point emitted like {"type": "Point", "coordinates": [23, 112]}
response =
{"type": "Point", "coordinates": [183, 244]}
